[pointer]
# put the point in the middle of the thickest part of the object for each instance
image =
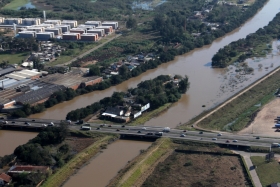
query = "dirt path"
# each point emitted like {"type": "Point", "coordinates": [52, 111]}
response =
{"type": "Point", "coordinates": [150, 170]}
{"type": "Point", "coordinates": [91, 50]}
{"type": "Point", "coordinates": [231, 99]}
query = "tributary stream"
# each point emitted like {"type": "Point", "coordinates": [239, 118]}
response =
{"type": "Point", "coordinates": [205, 82]}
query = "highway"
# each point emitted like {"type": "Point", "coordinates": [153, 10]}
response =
{"type": "Point", "coordinates": [221, 138]}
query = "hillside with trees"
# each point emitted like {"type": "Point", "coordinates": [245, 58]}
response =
{"type": "Point", "coordinates": [254, 45]}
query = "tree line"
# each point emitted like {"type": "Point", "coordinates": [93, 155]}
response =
{"type": "Point", "coordinates": [157, 92]}
{"type": "Point", "coordinates": [246, 48]}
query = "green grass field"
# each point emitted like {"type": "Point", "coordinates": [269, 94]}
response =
{"type": "Point", "coordinates": [16, 58]}
{"type": "Point", "coordinates": [268, 172]}
{"type": "Point", "coordinates": [15, 4]}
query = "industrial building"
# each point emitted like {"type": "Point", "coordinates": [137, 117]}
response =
{"type": "Point", "coordinates": [54, 22]}
{"type": "Point", "coordinates": [11, 21]}
{"type": "Point", "coordinates": [89, 37]}
{"type": "Point", "coordinates": [6, 71]}
{"type": "Point", "coordinates": [24, 74]}
{"type": "Point", "coordinates": [111, 23]}
{"type": "Point", "coordinates": [31, 21]}
{"type": "Point", "coordinates": [78, 30]}
{"type": "Point", "coordinates": [72, 23]}
{"type": "Point", "coordinates": [36, 29]}
{"type": "Point", "coordinates": [108, 29]}
{"type": "Point", "coordinates": [64, 28]}
{"type": "Point", "coordinates": [93, 23]}
{"type": "Point", "coordinates": [71, 36]}
{"type": "Point", "coordinates": [44, 25]}
{"type": "Point", "coordinates": [27, 34]}
{"type": "Point", "coordinates": [56, 31]}
{"type": "Point", "coordinates": [44, 36]}
{"type": "Point", "coordinates": [100, 32]}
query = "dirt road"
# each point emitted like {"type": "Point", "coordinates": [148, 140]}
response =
{"type": "Point", "coordinates": [91, 50]}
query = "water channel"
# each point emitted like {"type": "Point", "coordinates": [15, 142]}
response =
{"type": "Point", "coordinates": [205, 81]}
{"type": "Point", "coordinates": [9, 140]}
{"type": "Point", "coordinates": [106, 165]}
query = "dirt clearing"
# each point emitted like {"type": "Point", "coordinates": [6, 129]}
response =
{"type": "Point", "coordinates": [264, 121]}
{"type": "Point", "coordinates": [198, 170]}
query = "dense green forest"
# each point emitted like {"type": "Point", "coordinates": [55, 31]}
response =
{"type": "Point", "coordinates": [157, 92]}
{"type": "Point", "coordinates": [249, 47]}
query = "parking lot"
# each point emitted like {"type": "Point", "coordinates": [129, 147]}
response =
{"type": "Point", "coordinates": [264, 121]}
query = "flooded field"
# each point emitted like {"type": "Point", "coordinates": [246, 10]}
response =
{"type": "Point", "coordinates": [106, 165]}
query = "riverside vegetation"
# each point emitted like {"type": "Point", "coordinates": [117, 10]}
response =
{"type": "Point", "coordinates": [59, 148]}
{"type": "Point", "coordinates": [254, 45]}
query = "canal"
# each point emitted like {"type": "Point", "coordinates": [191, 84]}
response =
{"type": "Point", "coordinates": [102, 168]}
{"type": "Point", "coordinates": [206, 82]}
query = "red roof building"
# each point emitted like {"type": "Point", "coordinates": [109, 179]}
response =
{"type": "Point", "coordinates": [5, 179]}
{"type": "Point", "coordinates": [27, 169]}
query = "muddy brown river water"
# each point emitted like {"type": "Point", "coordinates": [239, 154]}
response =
{"type": "Point", "coordinates": [106, 165]}
{"type": "Point", "coordinates": [9, 140]}
{"type": "Point", "coordinates": [205, 81]}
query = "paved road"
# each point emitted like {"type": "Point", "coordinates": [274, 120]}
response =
{"type": "Point", "coordinates": [91, 50]}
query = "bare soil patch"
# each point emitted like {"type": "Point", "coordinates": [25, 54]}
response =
{"type": "Point", "coordinates": [198, 170]}
{"type": "Point", "coordinates": [78, 144]}
{"type": "Point", "coordinates": [264, 121]}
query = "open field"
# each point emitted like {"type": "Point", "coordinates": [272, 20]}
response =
{"type": "Point", "coordinates": [67, 170]}
{"type": "Point", "coordinates": [14, 58]}
{"type": "Point", "coordinates": [198, 170]}
{"type": "Point", "coordinates": [239, 111]}
{"type": "Point", "coordinates": [264, 121]}
{"type": "Point", "coordinates": [268, 172]}
{"type": "Point", "coordinates": [14, 4]}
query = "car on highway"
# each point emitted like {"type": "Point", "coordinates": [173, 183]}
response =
{"type": "Point", "coordinates": [257, 137]}
{"type": "Point", "coordinates": [182, 135]}
{"type": "Point", "coordinates": [139, 132]}
{"type": "Point", "coordinates": [150, 133]}
{"type": "Point", "coordinates": [44, 125]}
{"type": "Point", "coordinates": [227, 141]}
{"type": "Point", "coordinates": [27, 123]}
{"type": "Point", "coordinates": [118, 130]}
{"type": "Point", "coordinates": [123, 126]}
{"type": "Point", "coordinates": [13, 121]}
{"type": "Point", "coordinates": [98, 128]}
{"type": "Point", "coordinates": [33, 119]}
{"type": "Point", "coordinates": [235, 141]}
{"type": "Point", "coordinates": [144, 128]}
{"type": "Point", "coordinates": [69, 121]}
{"type": "Point", "coordinates": [184, 130]}
{"type": "Point", "coordinates": [109, 125]}
{"type": "Point", "coordinates": [51, 124]}
{"type": "Point", "coordinates": [214, 138]}
{"type": "Point", "coordinates": [219, 134]}
{"type": "Point", "coordinates": [200, 132]}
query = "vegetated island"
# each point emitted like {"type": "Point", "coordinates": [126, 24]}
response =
{"type": "Point", "coordinates": [53, 156]}
{"type": "Point", "coordinates": [147, 96]}
{"type": "Point", "coordinates": [254, 45]}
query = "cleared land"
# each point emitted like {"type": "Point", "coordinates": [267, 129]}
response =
{"type": "Point", "coordinates": [198, 170]}
{"type": "Point", "coordinates": [268, 172]}
{"type": "Point", "coordinates": [13, 5]}
{"type": "Point", "coordinates": [264, 121]}
{"type": "Point", "coordinates": [16, 58]}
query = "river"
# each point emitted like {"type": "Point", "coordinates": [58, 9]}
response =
{"type": "Point", "coordinates": [9, 140]}
{"type": "Point", "coordinates": [205, 81]}
{"type": "Point", "coordinates": [106, 165]}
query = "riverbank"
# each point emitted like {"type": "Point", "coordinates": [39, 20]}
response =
{"type": "Point", "coordinates": [141, 165]}
{"type": "Point", "coordinates": [78, 161]}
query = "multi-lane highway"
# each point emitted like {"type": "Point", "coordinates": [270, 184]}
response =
{"type": "Point", "coordinates": [221, 138]}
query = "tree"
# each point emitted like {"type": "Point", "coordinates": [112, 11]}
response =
{"type": "Point", "coordinates": [131, 23]}
{"type": "Point", "coordinates": [94, 71]}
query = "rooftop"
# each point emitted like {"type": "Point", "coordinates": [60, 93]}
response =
{"type": "Point", "coordinates": [7, 70]}
{"type": "Point", "coordinates": [27, 168]}
{"type": "Point", "coordinates": [5, 177]}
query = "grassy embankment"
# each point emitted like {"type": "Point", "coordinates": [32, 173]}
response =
{"type": "Point", "coordinates": [13, 5]}
{"type": "Point", "coordinates": [237, 114]}
{"type": "Point", "coordinates": [16, 58]}
{"type": "Point", "coordinates": [81, 158]}
{"type": "Point", "coordinates": [144, 162]}
{"type": "Point", "coordinates": [268, 172]}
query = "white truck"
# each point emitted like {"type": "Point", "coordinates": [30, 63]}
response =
{"type": "Point", "coordinates": [86, 128]}
{"type": "Point", "coordinates": [275, 145]}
